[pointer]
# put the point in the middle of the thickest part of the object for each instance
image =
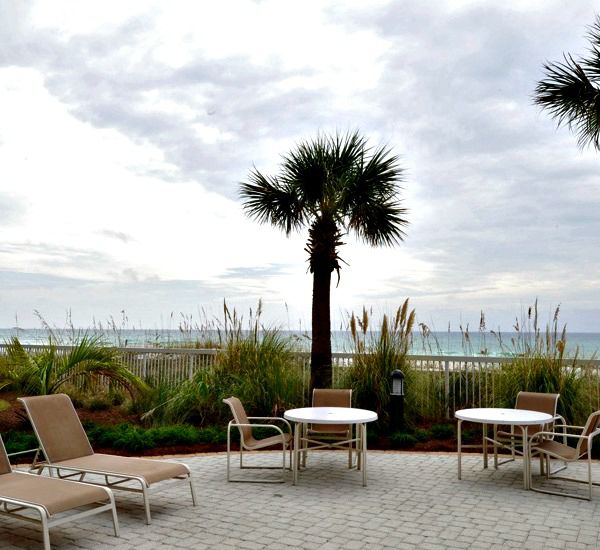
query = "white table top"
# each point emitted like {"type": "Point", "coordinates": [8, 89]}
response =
{"type": "Point", "coordinates": [330, 415]}
{"type": "Point", "coordinates": [518, 417]}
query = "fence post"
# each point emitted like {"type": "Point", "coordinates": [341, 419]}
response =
{"type": "Point", "coordinates": [190, 366]}
{"type": "Point", "coordinates": [447, 386]}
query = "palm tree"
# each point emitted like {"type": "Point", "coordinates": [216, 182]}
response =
{"type": "Point", "coordinates": [571, 92]}
{"type": "Point", "coordinates": [334, 186]}
{"type": "Point", "coordinates": [50, 370]}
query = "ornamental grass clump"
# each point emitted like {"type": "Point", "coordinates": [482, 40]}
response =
{"type": "Point", "coordinates": [376, 355]}
{"type": "Point", "coordinates": [540, 365]}
{"type": "Point", "coordinates": [254, 364]}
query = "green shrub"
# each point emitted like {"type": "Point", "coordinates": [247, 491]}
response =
{"type": "Point", "coordinates": [174, 435]}
{"type": "Point", "coordinates": [16, 442]}
{"type": "Point", "coordinates": [124, 436]}
{"type": "Point", "coordinates": [403, 440]}
{"type": "Point", "coordinates": [442, 431]}
{"type": "Point", "coordinates": [470, 435]}
{"type": "Point", "coordinates": [422, 434]}
{"type": "Point", "coordinates": [98, 404]}
{"type": "Point", "coordinates": [212, 434]}
{"type": "Point", "coordinates": [135, 438]}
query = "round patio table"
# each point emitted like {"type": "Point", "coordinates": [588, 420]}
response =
{"type": "Point", "coordinates": [511, 417]}
{"type": "Point", "coordinates": [331, 415]}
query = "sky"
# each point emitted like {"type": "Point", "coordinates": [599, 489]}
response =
{"type": "Point", "coordinates": [126, 128]}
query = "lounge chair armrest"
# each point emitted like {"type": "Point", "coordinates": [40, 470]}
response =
{"type": "Point", "coordinates": [28, 451]}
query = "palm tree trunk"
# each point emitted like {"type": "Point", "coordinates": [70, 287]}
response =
{"type": "Point", "coordinates": [320, 356]}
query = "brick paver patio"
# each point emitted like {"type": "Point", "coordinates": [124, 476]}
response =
{"type": "Point", "coordinates": [413, 500]}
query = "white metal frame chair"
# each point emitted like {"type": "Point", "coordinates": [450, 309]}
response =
{"type": "Point", "coordinates": [544, 444]}
{"type": "Point", "coordinates": [28, 496]}
{"type": "Point", "coordinates": [512, 441]}
{"type": "Point", "coordinates": [248, 442]}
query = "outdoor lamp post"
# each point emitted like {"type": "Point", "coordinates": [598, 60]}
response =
{"type": "Point", "coordinates": [397, 398]}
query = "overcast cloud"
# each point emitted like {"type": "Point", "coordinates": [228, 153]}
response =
{"type": "Point", "coordinates": [126, 128]}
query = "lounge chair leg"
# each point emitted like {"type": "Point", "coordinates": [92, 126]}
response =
{"type": "Point", "coordinates": [146, 504]}
{"type": "Point", "coordinates": [45, 531]}
{"type": "Point", "coordinates": [192, 488]}
{"type": "Point", "coordinates": [114, 516]}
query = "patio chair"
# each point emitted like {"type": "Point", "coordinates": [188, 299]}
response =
{"type": "Point", "coordinates": [249, 443]}
{"type": "Point", "coordinates": [27, 496]}
{"type": "Point", "coordinates": [330, 435]}
{"type": "Point", "coordinates": [543, 443]}
{"type": "Point", "coordinates": [67, 450]}
{"type": "Point", "coordinates": [513, 440]}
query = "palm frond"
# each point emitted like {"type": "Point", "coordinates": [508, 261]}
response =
{"type": "Point", "coordinates": [371, 200]}
{"type": "Point", "coordinates": [90, 359]}
{"type": "Point", "coordinates": [592, 63]}
{"type": "Point", "coordinates": [571, 99]}
{"type": "Point", "coordinates": [269, 201]}
{"type": "Point", "coordinates": [47, 371]}
{"type": "Point", "coordinates": [570, 92]}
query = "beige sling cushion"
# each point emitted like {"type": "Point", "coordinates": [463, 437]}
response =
{"type": "Point", "coordinates": [533, 401]}
{"type": "Point", "coordinates": [324, 397]}
{"type": "Point", "coordinates": [65, 443]}
{"type": "Point", "coordinates": [58, 427]}
{"type": "Point", "coordinates": [151, 471]}
{"type": "Point", "coordinates": [55, 495]}
{"type": "Point", "coordinates": [5, 467]}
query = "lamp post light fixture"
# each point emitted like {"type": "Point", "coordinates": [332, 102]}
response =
{"type": "Point", "coordinates": [397, 399]}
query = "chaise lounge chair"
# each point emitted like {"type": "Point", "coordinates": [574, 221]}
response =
{"type": "Point", "coordinates": [27, 496]}
{"type": "Point", "coordinates": [67, 450]}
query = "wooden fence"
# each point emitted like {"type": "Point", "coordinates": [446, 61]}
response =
{"type": "Point", "coordinates": [446, 382]}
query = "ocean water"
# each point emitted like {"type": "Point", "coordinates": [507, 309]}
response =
{"type": "Point", "coordinates": [585, 344]}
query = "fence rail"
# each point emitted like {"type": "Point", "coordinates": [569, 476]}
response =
{"type": "Point", "coordinates": [447, 382]}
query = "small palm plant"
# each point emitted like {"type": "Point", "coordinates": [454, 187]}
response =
{"type": "Point", "coordinates": [52, 369]}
